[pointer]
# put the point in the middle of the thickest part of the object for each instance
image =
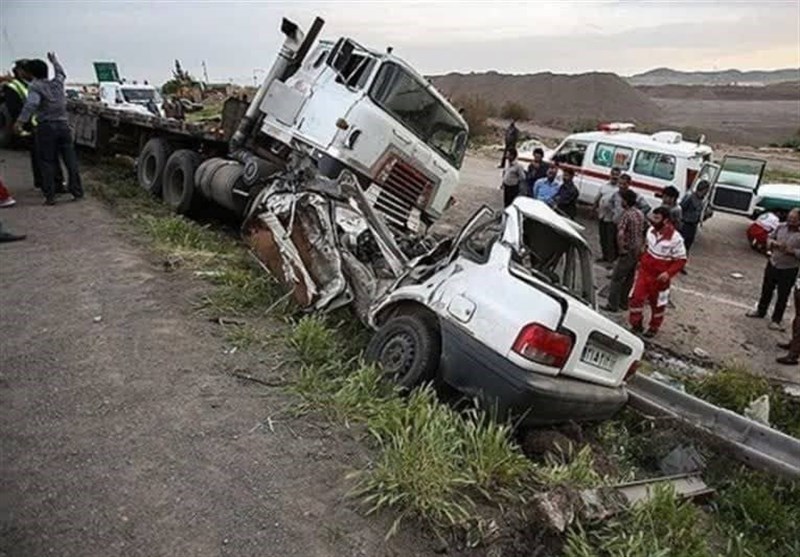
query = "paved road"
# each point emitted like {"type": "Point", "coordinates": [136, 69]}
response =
{"type": "Point", "coordinates": [122, 430]}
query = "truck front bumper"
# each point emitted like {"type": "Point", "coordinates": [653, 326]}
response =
{"type": "Point", "coordinates": [477, 371]}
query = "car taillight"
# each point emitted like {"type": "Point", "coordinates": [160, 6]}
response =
{"type": "Point", "coordinates": [631, 370]}
{"type": "Point", "coordinates": [539, 344]}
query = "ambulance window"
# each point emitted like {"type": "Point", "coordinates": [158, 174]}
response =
{"type": "Point", "coordinates": [657, 165]}
{"type": "Point", "coordinates": [320, 59]}
{"type": "Point", "coordinates": [612, 156]}
{"type": "Point", "coordinates": [571, 153]}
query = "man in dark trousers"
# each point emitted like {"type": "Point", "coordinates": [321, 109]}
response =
{"type": "Point", "coordinates": [793, 346]}
{"type": "Point", "coordinates": [567, 197]}
{"type": "Point", "coordinates": [15, 93]}
{"type": "Point", "coordinates": [692, 206]}
{"type": "Point", "coordinates": [603, 205]}
{"type": "Point", "coordinates": [513, 178]}
{"type": "Point", "coordinates": [512, 136]}
{"type": "Point", "coordinates": [630, 239]}
{"type": "Point", "coordinates": [781, 271]}
{"type": "Point", "coordinates": [47, 99]}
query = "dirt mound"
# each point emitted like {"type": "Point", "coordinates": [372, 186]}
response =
{"type": "Point", "coordinates": [787, 91]}
{"type": "Point", "coordinates": [556, 98]}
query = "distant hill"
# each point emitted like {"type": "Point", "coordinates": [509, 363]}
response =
{"type": "Point", "coordinates": [555, 98]}
{"type": "Point", "coordinates": [783, 91]}
{"type": "Point", "coordinates": [666, 76]}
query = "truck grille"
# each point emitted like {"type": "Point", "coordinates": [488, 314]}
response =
{"type": "Point", "coordinates": [402, 193]}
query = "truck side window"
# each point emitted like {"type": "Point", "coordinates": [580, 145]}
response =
{"type": "Point", "coordinates": [657, 165]}
{"type": "Point", "coordinates": [571, 152]}
{"type": "Point", "coordinates": [610, 156]}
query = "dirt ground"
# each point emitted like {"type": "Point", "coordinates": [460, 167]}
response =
{"type": "Point", "coordinates": [123, 431]}
{"type": "Point", "coordinates": [709, 302]}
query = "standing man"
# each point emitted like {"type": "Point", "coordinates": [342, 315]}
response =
{"type": "Point", "coordinates": [793, 346]}
{"type": "Point", "coordinates": [545, 189]}
{"type": "Point", "coordinates": [616, 199]}
{"type": "Point", "coordinates": [605, 217]}
{"type": "Point", "coordinates": [48, 100]}
{"type": "Point", "coordinates": [692, 205]}
{"type": "Point", "coordinates": [566, 199]}
{"type": "Point", "coordinates": [512, 136]}
{"type": "Point", "coordinates": [781, 271]}
{"type": "Point", "coordinates": [513, 178]}
{"type": "Point", "coordinates": [663, 258]}
{"type": "Point", "coordinates": [630, 237]}
{"type": "Point", "coordinates": [536, 170]}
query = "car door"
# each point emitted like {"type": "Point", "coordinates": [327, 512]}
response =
{"type": "Point", "coordinates": [736, 184]}
{"type": "Point", "coordinates": [708, 172]}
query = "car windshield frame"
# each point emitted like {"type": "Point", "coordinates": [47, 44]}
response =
{"type": "Point", "coordinates": [388, 76]}
{"type": "Point", "coordinates": [153, 95]}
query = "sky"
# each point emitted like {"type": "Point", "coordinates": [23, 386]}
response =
{"type": "Point", "coordinates": [239, 39]}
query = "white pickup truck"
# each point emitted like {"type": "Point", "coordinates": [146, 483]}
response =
{"type": "Point", "coordinates": [508, 315]}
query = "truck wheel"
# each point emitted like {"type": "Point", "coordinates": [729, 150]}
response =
{"type": "Point", "coordinates": [151, 164]}
{"type": "Point", "coordinates": [179, 180]}
{"type": "Point", "coordinates": [407, 348]}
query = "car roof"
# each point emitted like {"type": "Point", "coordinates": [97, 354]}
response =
{"type": "Point", "coordinates": [644, 141]}
{"type": "Point", "coordinates": [540, 211]}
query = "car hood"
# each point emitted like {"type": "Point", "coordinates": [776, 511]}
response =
{"type": "Point", "coordinates": [789, 192]}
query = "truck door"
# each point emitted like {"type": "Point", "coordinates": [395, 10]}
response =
{"type": "Point", "coordinates": [736, 184]}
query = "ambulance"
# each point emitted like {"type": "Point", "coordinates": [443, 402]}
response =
{"type": "Point", "coordinates": [655, 161]}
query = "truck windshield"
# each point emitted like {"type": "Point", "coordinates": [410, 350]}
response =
{"type": "Point", "coordinates": [418, 109]}
{"type": "Point", "coordinates": [139, 95]}
{"type": "Point", "coordinates": [557, 259]}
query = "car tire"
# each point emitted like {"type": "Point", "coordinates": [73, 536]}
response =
{"type": "Point", "coordinates": [152, 163]}
{"type": "Point", "coordinates": [178, 186]}
{"type": "Point", "coordinates": [407, 348]}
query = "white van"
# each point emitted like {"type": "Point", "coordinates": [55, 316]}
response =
{"type": "Point", "coordinates": [654, 162]}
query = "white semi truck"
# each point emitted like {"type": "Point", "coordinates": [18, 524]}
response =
{"type": "Point", "coordinates": [337, 167]}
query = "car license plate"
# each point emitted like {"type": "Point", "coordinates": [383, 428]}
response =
{"type": "Point", "coordinates": [598, 357]}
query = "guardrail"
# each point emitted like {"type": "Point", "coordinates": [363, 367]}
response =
{"type": "Point", "coordinates": [749, 441]}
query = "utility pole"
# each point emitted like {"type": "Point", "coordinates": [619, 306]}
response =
{"type": "Point", "coordinates": [205, 72]}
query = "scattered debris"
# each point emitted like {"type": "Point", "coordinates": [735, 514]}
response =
{"type": "Point", "coordinates": [737, 276]}
{"type": "Point", "coordinates": [682, 459]}
{"type": "Point", "coordinates": [560, 507]}
{"type": "Point", "coordinates": [792, 390]}
{"type": "Point", "coordinates": [172, 262]}
{"type": "Point", "coordinates": [208, 273]}
{"type": "Point", "coordinates": [265, 382]}
{"type": "Point", "coordinates": [758, 410]}
{"type": "Point", "coordinates": [97, 318]}
{"type": "Point", "coordinates": [702, 354]}
{"type": "Point", "coordinates": [668, 380]}
{"type": "Point", "coordinates": [227, 321]}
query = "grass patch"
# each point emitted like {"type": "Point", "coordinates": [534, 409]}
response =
{"type": "Point", "coordinates": [734, 388]}
{"type": "Point", "coordinates": [433, 462]}
{"type": "Point", "coordinates": [662, 526]}
{"type": "Point", "coordinates": [247, 336]}
{"type": "Point", "coordinates": [208, 112]}
{"type": "Point", "coordinates": [571, 468]}
{"type": "Point", "coordinates": [760, 515]}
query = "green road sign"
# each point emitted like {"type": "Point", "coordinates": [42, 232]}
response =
{"type": "Point", "coordinates": [106, 71]}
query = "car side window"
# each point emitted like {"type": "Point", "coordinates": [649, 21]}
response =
{"type": "Point", "coordinates": [572, 153]}
{"type": "Point", "coordinates": [478, 244]}
{"type": "Point", "coordinates": [610, 156]}
{"type": "Point", "coordinates": [657, 165]}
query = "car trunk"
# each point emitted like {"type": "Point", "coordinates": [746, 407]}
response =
{"type": "Point", "coordinates": [558, 261]}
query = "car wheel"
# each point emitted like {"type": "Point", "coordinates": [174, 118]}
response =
{"type": "Point", "coordinates": [179, 180]}
{"type": "Point", "coordinates": [407, 348]}
{"type": "Point", "coordinates": [151, 164]}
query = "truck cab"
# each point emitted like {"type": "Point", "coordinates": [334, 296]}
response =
{"type": "Point", "coordinates": [372, 113]}
{"type": "Point", "coordinates": [141, 99]}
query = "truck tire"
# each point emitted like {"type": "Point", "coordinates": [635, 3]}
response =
{"type": "Point", "coordinates": [178, 185]}
{"type": "Point", "coordinates": [151, 164]}
{"type": "Point", "coordinates": [407, 348]}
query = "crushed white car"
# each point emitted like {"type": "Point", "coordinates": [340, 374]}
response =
{"type": "Point", "coordinates": [504, 312]}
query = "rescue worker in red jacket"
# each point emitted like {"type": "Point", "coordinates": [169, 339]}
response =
{"type": "Point", "coordinates": [663, 258]}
